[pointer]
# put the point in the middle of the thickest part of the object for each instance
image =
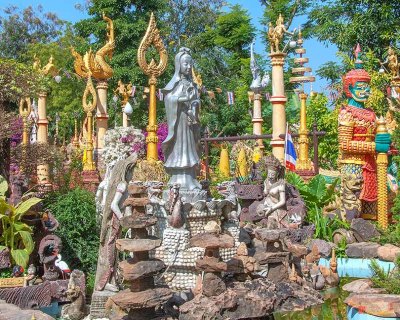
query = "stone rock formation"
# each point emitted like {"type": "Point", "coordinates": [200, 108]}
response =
{"type": "Point", "coordinates": [142, 298]}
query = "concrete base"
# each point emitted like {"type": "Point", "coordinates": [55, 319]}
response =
{"type": "Point", "coordinates": [91, 180]}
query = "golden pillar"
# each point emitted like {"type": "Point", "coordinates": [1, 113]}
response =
{"type": "Point", "coordinates": [382, 163]}
{"type": "Point", "coordinates": [303, 161]}
{"type": "Point", "coordinates": [88, 107]}
{"type": "Point", "coordinates": [153, 71]}
{"type": "Point", "coordinates": [278, 100]}
{"type": "Point", "coordinates": [303, 164]}
{"type": "Point", "coordinates": [275, 37]}
{"type": "Point", "coordinates": [24, 111]}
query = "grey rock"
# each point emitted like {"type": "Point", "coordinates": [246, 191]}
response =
{"type": "Point", "coordinates": [12, 312]}
{"type": "Point", "coordinates": [362, 250]}
{"type": "Point", "coordinates": [257, 298]}
{"type": "Point", "coordinates": [213, 285]}
{"type": "Point", "coordinates": [361, 286]}
{"type": "Point", "coordinates": [388, 252]}
{"type": "Point", "coordinates": [324, 247]}
{"type": "Point", "coordinates": [363, 230]}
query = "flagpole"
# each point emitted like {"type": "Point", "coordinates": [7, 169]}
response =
{"type": "Point", "coordinates": [286, 136]}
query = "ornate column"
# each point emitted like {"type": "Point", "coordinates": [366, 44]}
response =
{"type": "Point", "coordinates": [153, 71]}
{"type": "Point", "coordinates": [257, 118]}
{"type": "Point", "coordinates": [42, 169]}
{"type": "Point", "coordinates": [303, 161]}
{"type": "Point", "coordinates": [24, 111]}
{"type": "Point", "coordinates": [303, 164]}
{"type": "Point", "coordinates": [382, 163]}
{"type": "Point", "coordinates": [42, 135]}
{"type": "Point", "coordinates": [278, 100]}
{"type": "Point", "coordinates": [256, 86]}
{"type": "Point", "coordinates": [101, 114]}
{"type": "Point", "coordinates": [90, 174]}
{"type": "Point", "coordinates": [96, 65]}
{"type": "Point", "coordinates": [42, 120]}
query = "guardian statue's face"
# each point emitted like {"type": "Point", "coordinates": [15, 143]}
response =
{"type": "Point", "coordinates": [186, 65]}
{"type": "Point", "coordinates": [361, 91]}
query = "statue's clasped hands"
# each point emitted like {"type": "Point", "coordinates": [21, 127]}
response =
{"type": "Point", "coordinates": [382, 142]}
{"type": "Point", "coordinates": [189, 95]}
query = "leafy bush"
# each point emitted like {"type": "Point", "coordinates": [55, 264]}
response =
{"type": "Point", "coordinates": [78, 230]}
{"type": "Point", "coordinates": [390, 235]}
{"type": "Point", "coordinates": [390, 281]}
{"type": "Point", "coordinates": [16, 235]}
{"type": "Point", "coordinates": [316, 195]}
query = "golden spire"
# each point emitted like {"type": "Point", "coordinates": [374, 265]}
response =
{"type": "Point", "coordinates": [152, 37]}
{"type": "Point", "coordinates": [153, 71]}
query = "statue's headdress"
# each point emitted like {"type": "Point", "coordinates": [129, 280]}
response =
{"type": "Point", "coordinates": [357, 74]}
{"type": "Point", "coordinates": [272, 163]}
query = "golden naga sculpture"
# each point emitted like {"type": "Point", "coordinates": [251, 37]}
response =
{"type": "Point", "coordinates": [152, 37]}
{"type": "Point", "coordinates": [96, 62]}
{"type": "Point", "coordinates": [48, 69]}
{"type": "Point", "coordinates": [276, 34]}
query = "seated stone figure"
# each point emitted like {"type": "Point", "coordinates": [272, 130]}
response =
{"type": "Point", "coordinates": [277, 195]}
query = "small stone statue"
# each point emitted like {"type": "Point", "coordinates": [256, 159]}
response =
{"type": "Point", "coordinates": [273, 208]}
{"type": "Point", "coordinates": [32, 277]}
{"type": "Point", "coordinates": [182, 145]}
{"type": "Point", "coordinates": [76, 310]}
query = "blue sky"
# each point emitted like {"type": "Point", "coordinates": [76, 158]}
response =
{"type": "Point", "coordinates": [316, 51]}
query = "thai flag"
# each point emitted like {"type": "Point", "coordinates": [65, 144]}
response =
{"type": "Point", "coordinates": [231, 98]}
{"type": "Point", "coordinates": [290, 152]}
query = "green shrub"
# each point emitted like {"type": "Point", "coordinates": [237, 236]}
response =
{"type": "Point", "coordinates": [78, 230]}
{"type": "Point", "coordinates": [316, 194]}
{"type": "Point", "coordinates": [390, 281]}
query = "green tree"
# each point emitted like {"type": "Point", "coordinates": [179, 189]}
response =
{"type": "Point", "coordinates": [375, 24]}
{"type": "Point", "coordinates": [222, 58]}
{"type": "Point", "coordinates": [28, 26]}
{"type": "Point", "coordinates": [76, 213]}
